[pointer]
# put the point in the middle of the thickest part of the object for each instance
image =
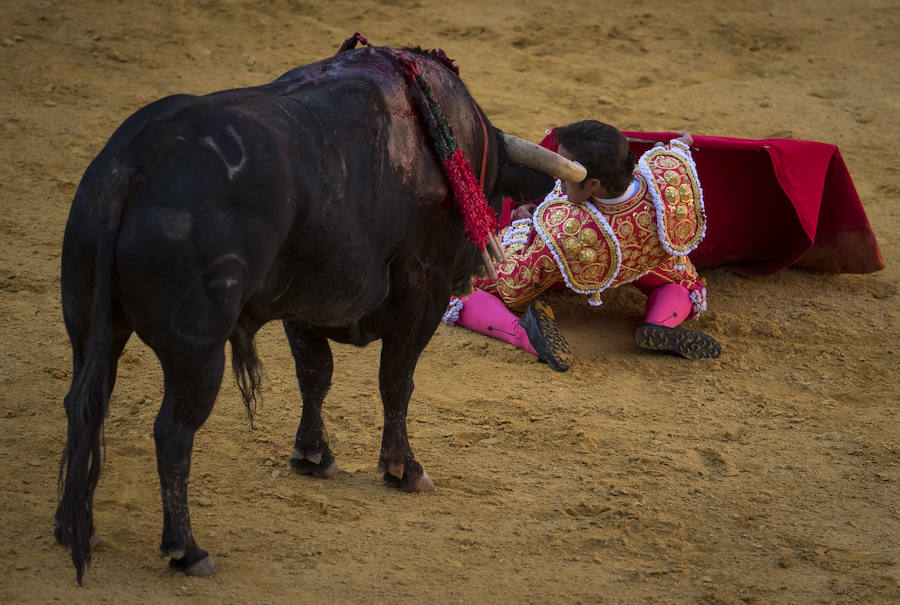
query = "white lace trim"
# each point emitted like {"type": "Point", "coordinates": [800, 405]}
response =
{"type": "Point", "coordinates": [518, 232]}
{"type": "Point", "coordinates": [451, 315]}
{"type": "Point", "coordinates": [556, 193]}
{"type": "Point", "coordinates": [698, 298]}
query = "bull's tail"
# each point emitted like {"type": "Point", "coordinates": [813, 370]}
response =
{"type": "Point", "coordinates": [88, 398]}
{"type": "Point", "coordinates": [247, 368]}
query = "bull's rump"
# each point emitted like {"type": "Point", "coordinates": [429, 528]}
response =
{"type": "Point", "coordinates": [288, 199]}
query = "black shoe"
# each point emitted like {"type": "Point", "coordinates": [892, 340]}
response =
{"type": "Point", "coordinates": [691, 344]}
{"type": "Point", "coordinates": [544, 336]}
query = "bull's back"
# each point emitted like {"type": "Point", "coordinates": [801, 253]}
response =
{"type": "Point", "coordinates": [304, 190]}
{"type": "Point", "coordinates": [378, 189]}
{"type": "Point", "coordinates": [378, 196]}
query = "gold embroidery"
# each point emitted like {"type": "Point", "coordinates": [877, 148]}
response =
{"type": "Point", "coordinates": [671, 194]}
{"type": "Point", "coordinates": [572, 246]}
{"type": "Point", "coordinates": [666, 162]}
{"type": "Point", "coordinates": [587, 254]}
{"type": "Point", "coordinates": [571, 226]}
{"type": "Point", "coordinates": [592, 271]}
{"type": "Point", "coordinates": [592, 258]}
{"type": "Point", "coordinates": [682, 222]}
{"type": "Point", "coordinates": [587, 236]}
{"type": "Point", "coordinates": [556, 217]}
{"type": "Point", "coordinates": [683, 231]}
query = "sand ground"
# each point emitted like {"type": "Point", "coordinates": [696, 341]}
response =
{"type": "Point", "coordinates": [771, 475]}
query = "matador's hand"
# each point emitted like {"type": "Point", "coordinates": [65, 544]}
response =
{"type": "Point", "coordinates": [523, 211]}
{"type": "Point", "coordinates": [685, 137]}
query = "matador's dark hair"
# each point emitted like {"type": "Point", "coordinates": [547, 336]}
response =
{"type": "Point", "coordinates": [602, 150]}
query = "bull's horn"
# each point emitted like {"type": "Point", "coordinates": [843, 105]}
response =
{"type": "Point", "coordinates": [540, 158]}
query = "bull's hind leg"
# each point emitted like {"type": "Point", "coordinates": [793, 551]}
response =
{"type": "Point", "coordinates": [314, 365]}
{"type": "Point", "coordinates": [399, 355]}
{"type": "Point", "coordinates": [192, 381]}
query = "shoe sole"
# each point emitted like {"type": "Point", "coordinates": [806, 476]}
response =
{"type": "Point", "coordinates": [540, 326]}
{"type": "Point", "coordinates": [690, 344]}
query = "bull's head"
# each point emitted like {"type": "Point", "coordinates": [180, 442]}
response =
{"type": "Point", "coordinates": [526, 172]}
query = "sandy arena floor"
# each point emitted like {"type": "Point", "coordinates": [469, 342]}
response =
{"type": "Point", "coordinates": [771, 475]}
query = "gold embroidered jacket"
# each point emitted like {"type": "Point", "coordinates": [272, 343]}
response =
{"type": "Point", "coordinates": [601, 245]}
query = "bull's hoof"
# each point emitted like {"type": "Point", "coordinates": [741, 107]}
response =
{"type": "Point", "coordinates": [412, 478]}
{"type": "Point", "coordinates": [422, 483]}
{"type": "Point", "coordinates": [415, 484]}
{"type": "Point", "coordinates": [202, 567]}
{"type": "Point", "coordinates": [314, 464]}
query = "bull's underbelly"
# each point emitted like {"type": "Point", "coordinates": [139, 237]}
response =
{"type": "Point", "coordinates": [336, 301]}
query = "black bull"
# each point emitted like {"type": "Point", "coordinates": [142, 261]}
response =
{"type": "Point", "coordinates": [316, 199]}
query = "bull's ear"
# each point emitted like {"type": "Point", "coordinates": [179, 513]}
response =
{"type": "Point", "coordinates": [519, 182]}
{"type": "Point", "coordinates": [530, 185]}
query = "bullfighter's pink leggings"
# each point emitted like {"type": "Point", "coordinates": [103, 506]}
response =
{"type": "Point", "coordinates": [487, 314]}
{"type": "Point", "coordinates": [667, 305]}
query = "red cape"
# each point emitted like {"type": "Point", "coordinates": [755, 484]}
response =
{"type": "Point", "coordinates": [776, 203]}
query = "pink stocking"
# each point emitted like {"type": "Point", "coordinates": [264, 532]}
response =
{"type": "Point", "coordinates": [668, 305]}
{"type": "Point", "coordinates": [487, 314]}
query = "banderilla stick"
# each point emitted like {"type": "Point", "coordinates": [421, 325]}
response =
{"type": "Point", "coordinates": [488, 264]}
{"type": "Point", "coordinates": [499, 252]}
